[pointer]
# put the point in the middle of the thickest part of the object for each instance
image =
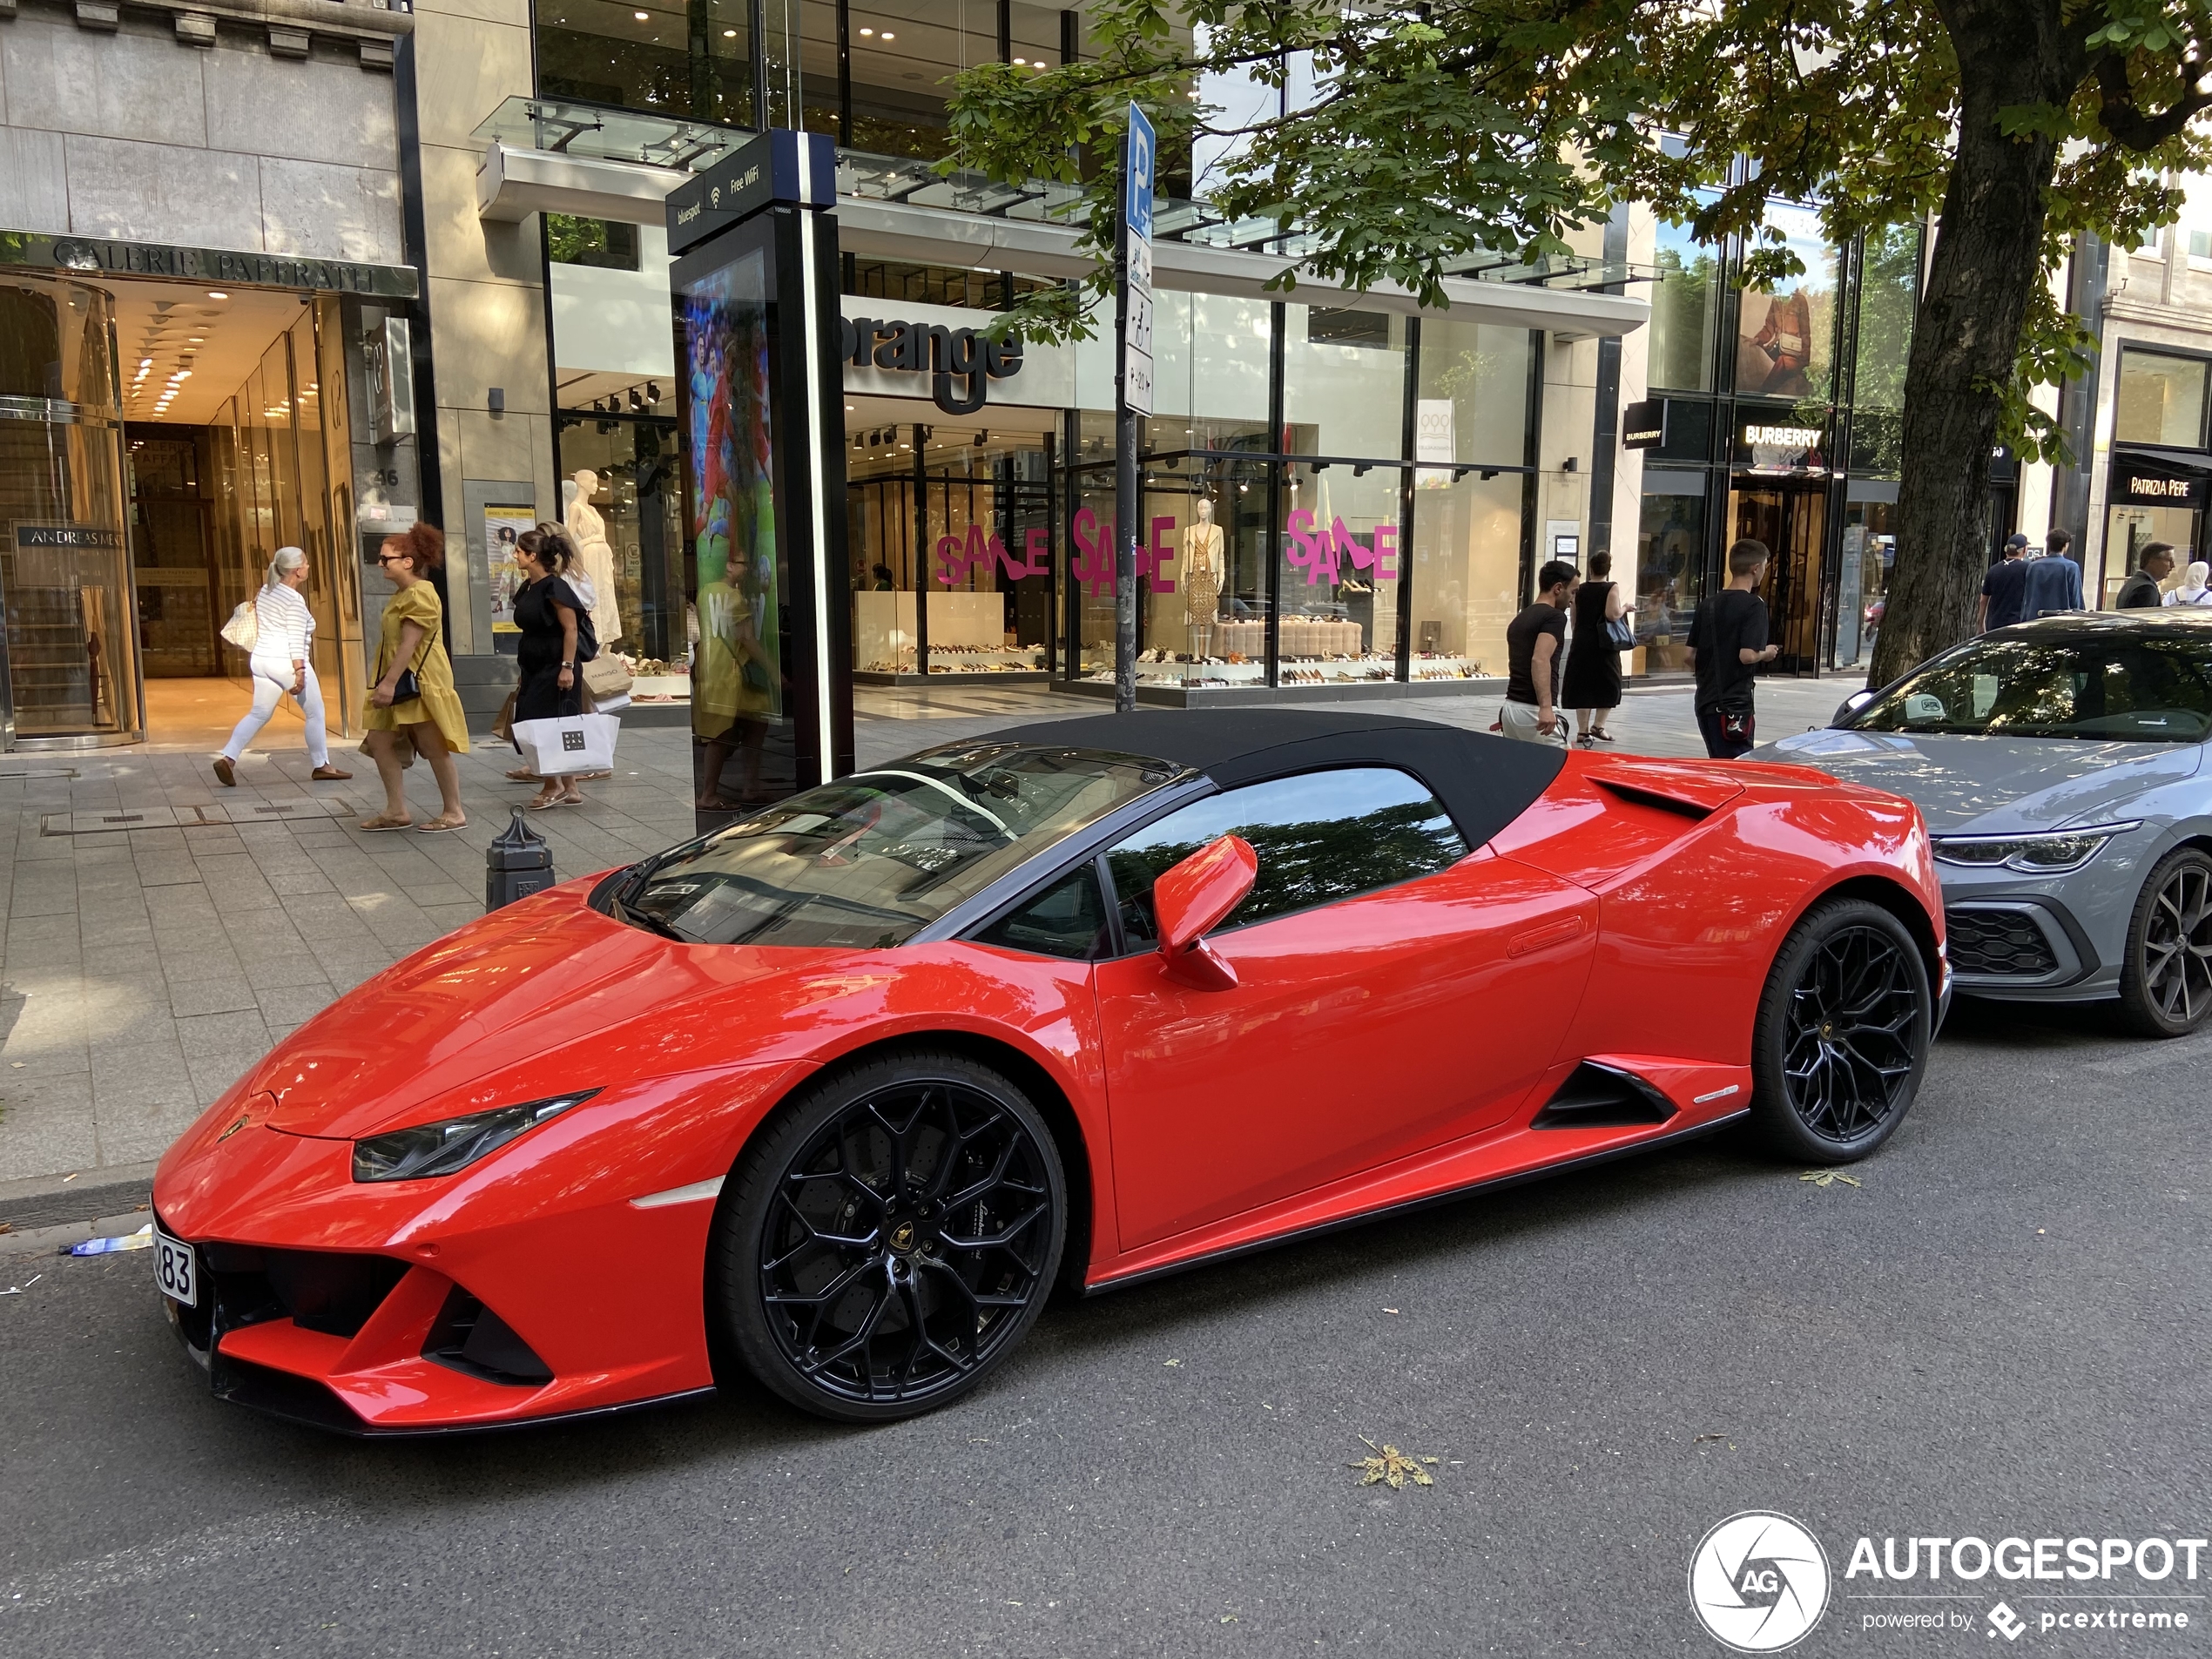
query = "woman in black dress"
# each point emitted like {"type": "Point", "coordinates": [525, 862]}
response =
{"type": "Point", "coordinates": [555, 624]}
{"type": "Point", "coordinates": [1593, 683]}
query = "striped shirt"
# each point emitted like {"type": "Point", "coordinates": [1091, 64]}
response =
{"type": "Point", "coordinates": [285, 625]}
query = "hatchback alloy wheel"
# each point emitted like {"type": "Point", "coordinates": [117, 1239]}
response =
{"type": "Point", "coordinates": [2166, 982]}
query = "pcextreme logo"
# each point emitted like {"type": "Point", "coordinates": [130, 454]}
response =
{"type": "Point", "coordinates": [1758, 1582]}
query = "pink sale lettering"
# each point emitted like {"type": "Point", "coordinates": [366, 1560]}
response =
{"type": "Point", "coordinates": [955, 559]}
{"type": "Point", "coordinates": [1320, 553]}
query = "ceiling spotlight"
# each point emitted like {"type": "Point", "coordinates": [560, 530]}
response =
{"type": "Point", "coordinates": [652, 391]}
{"type": "Point", "coordinates": [867, 31]}
{"type": "Point", "coordinates": [215, 294]}
{"type": "Point", "coordinates": [642, 16]}
{"type": "Point", "coordinates": [728, 34]}
{"type": "Point", "coordinates": [145, 363]}
{"type": "Point", "coordinates": [636, 399]}
{"type": "Point", "coordinates": [1021, 62]}
{"type": "Point", "coordinates": [888, 35]}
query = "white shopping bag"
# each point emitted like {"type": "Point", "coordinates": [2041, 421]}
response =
{"type": "Point", "coordinates": [573, 743]}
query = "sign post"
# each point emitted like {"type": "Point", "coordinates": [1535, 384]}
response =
{"type": "Point", "coordinates": [1132, 387]}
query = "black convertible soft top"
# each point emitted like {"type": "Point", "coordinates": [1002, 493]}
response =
{"type": "Point", "coordinates": [1485, 782]}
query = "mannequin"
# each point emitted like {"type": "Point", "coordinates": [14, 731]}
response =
{"type": "Point", "coordinates": [1201, 569]}
{"type": "Point", "coordinates": [588, 531]}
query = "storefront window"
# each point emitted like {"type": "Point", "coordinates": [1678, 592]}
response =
{"type": "Point", "coordinates": [2161, 400]}
{"type": "Point", "coordinates": [1342, 558]}
{"type": "Point", "coordinates": [1344, 382]}
{"type": "Point", "coordinates": [1210, 373]}
{"type": "Point", "coordinates": [688, 60]}
{"type": "Point", "coordinates": [1867, 556]}
{"type": "Point", "coordinates": [1684, 303]}
{"type": "Point", "coordinates": [1473, 399]}
{"type": "Point", "coordinates": [637, 492]}
{"type": "Point", "coordinates": [1671, 567]}
{"type": "Point", "coordinates": [1785, 338]}
{"type": "Point", "coordinates": [2129, 531]}
{"type": "Point", "coordinates": [1466, 570]}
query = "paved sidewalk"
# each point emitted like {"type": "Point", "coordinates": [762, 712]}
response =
{"type": "Point", "coordinates": [162, 932]}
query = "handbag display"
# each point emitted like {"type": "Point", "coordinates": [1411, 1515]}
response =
{"type": "Point", "coordinates": [244, 628]}
{"type": "Point", "coordinates": [569, 743]}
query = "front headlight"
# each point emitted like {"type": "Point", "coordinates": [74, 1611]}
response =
{"type": "Point", "coordinates": [452, 1146]}
{"type": "Point", "coordinates": [2052, 854]}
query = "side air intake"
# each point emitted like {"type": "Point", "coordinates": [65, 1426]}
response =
{"type": "Point", "coordinates": [1596, 1096]}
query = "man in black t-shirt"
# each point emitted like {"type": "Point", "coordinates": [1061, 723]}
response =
{"type": "Point", "coordinates": [2004, 590]}
{"type": "Point", "coordinates": [1727, 645]}
{"type": "Point", "coordinates": [1535, 649]}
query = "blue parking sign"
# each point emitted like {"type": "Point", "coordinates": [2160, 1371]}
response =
{"type": "Point", "coordinates": [1136, 175]}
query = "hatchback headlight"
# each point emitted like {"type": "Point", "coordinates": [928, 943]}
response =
{"type": "Point", "coordinates": [2053, 854]}
{"type": "Point", "coordinates": [449, 1146]}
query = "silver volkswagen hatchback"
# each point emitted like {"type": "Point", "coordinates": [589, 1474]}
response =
{"type": "Point", "coordinates": [2062, 767]}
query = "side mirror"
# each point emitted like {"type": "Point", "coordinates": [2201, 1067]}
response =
{"type": "Point", "coordinates": [1851, 706]}
{"type": "Point", "coordinates": [1193, 898]}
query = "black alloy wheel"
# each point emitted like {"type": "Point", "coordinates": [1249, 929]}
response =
{"type": "Point", "coordinates": [890, 1236]}
{"type": "Point", "coordinates": [2166, 977]}
{"type": "Point", "coordinates": [1842, 1035]}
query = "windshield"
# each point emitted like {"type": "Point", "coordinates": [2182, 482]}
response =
{"type": "Point", "coordinates": [2139, 690]}
{"type": "Point", "coordinates": [867, 861]}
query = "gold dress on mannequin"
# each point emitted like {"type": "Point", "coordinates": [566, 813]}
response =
{"type": "Point", "coordinates": [1202, 550]}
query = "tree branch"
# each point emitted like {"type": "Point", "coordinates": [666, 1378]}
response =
{"type": "Point", "coordinates": [2120, 115]}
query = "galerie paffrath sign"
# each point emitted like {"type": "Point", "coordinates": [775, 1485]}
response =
{"type": "Point", "coordinates": [93, 256]}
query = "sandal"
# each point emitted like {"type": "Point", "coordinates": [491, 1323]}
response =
{"type": "Point", "coordinates": [440, 824]}
{"type": "Point", "coordinates": [542, 800]}
{"type": "Point", "coordinates": [523, 775]}
{"type": "Point", "coordinates": [1601, 734]}
{"type": "Point", "coordinates": [388, 821]}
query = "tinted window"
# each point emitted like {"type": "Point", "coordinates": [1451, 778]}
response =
{"type": "Point", "coordinates": [867, 861]}
{"type": "Point", "coordinates": [1068, 918]}
{"type": "Point", "coordinates": [2133, 690]}
{"type": "Point", "coordinates": [1320, 836]}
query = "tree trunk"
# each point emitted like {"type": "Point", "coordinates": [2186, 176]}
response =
{"type": "Point", "coordinates": [1966, 338]}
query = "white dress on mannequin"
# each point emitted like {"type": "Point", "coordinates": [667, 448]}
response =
{"type": "Point", "coordinates": [588, 532]}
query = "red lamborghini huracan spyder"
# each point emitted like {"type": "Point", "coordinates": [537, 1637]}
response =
{"type": "Point", "coordinates": [837, 1095]}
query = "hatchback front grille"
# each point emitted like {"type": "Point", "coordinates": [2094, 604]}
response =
{"type": "Point", "coordinates": [2006, 944]}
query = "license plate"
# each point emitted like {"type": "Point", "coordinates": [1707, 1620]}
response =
{"type": "Point", "coordinates": [176, 1270]}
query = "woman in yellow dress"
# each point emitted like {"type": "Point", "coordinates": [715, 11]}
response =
{"type": "Point", "coordinates": [432, 720]}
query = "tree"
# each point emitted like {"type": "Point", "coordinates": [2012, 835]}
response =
{"type": "Point", "coordinates": [1440, 131]}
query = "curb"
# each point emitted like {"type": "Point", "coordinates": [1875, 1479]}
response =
{"type": "Point", "coordinates": [53, 1201]}
{"type": "Point", "coordinates": [52, 1241]}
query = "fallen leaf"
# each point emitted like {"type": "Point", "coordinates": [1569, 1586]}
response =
{"type": "Point", "coordinates": [1170, 1362]}
{"type": "Point", "coordinates": [1229, 1618]}
{"type": "Point", "coordinates": [1392, 1467]}
{"type": "Point", "coordinates": [6, 1227]}
{"type": "Point", "coordinates": [1825, 1177]}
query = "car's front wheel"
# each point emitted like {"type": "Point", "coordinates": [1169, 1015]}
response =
{"type": "Point", "coordinates": [890, 1236]}
{"type": "Point", "coordinates": [2166, 977]}
{"type": "Point", "coordinates": [1842, 1033]}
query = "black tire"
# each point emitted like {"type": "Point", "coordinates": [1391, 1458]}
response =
{"type": "Point", "coordinates": [2166, 977]}
{"type": "Point", "coordinates": [889, 1237]}
{"type": "Point", "coordinates": [1842, 1035]}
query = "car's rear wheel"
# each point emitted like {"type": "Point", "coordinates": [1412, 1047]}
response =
{"type": "Point", "coordinates": [2165, 978]}
{"type": "Point", "coordinates": [1842, 1035]}
{"type": "Point", "coordinates": [890, 1236]}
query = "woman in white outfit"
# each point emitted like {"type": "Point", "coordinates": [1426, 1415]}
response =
{"type": "Point", "coordinates": [2194, 589]}
{"type": "Point", "coordinates": [282, 662]}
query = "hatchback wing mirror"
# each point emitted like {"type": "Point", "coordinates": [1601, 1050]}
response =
{"type": "Point", "coordinates": [1196, 896]}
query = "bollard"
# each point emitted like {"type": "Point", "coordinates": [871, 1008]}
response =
{"type": "Point", "coordinates": [517, 864]}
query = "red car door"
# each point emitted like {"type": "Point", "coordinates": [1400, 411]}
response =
{"type": "Point", "coordinates": [1405, 1008]}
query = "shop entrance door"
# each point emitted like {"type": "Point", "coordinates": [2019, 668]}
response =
{"type": "Point", "coordinates": [1792, 520]}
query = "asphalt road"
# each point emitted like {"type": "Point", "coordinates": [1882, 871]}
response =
{"type": "Point", "coordinates": [1999, 1332]}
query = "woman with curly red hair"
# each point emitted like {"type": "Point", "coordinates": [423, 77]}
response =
{"type": "Point", "coordinates": [412, 700]}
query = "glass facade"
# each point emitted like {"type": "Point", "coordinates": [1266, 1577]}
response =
{"type": "Point", "coordinates": [2161, 400]}
{"type": "Point", "coordinates": [1791, 433]}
